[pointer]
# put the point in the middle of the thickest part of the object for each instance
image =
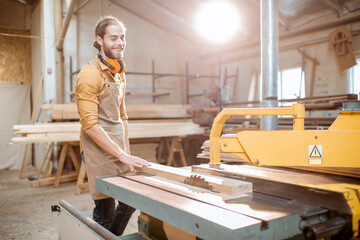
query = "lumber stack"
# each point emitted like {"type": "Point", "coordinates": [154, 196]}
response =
{"type": "Point", "coordinates": [134, 111]}
{"type": "Point", "coordinates": [228, 157]}
{"type": "Point", "coordinates": [69, 132]}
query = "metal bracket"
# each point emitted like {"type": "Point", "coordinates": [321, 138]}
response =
{"type": "Point", "coordinates": [55, 208]}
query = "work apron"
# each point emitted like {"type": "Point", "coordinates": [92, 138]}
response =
{"type": "Point", "coordinates": [98, 162]}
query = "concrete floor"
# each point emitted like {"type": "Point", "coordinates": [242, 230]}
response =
{"type": "Point", "coordinates": [25, 212]}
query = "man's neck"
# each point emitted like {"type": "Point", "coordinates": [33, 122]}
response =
{"type": "Point", "coordinates": [103, 55]}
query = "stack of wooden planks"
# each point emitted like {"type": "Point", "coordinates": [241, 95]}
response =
{"type": "Point", "coordinates": [228, 157]}
{"type": "Point", "coordinates": [70, 131]}
{"type": "Point", "coordinates": [134, 111]}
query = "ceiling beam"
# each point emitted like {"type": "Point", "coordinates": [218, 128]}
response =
{"type": "Point", "coordinates": [338, 7]}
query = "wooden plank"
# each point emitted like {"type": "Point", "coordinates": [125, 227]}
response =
{"type": "Point", "coordinates": [71, 132]}
{"type": "Point", "coordinates": [51, 180]}
{"type": "Point", "coordinates": [218, 184]}
{"type": "Point", "coordinates": [81, 183]}
{"type": "Point", "coordinates": [61, 164]}
{"type": "Point", "coordinates": [74, 158]}
{"type": "Point", "coordinates": [134, 111]}
{"type": "Point", "coordinates": [38, 92]}
{"type": "Point", "coordinates": [53, 137]}
{"type": "Point", "coordinates": [47, 128]}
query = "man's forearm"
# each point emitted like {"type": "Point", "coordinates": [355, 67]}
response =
{"type": "Point", "coordinates": [102, 139]}
{"type": "Point", "coordinates": [127, 142]}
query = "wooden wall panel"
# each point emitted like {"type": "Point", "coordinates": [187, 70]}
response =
{"type": "Point", "coordinates": [15, 55]}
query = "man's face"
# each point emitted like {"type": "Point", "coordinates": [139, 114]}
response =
{"type": "Point", "coordinates": [113, 44]}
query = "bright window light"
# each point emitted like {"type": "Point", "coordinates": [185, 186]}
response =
{"type": "Point", "coordinates": [291, 84]}
{"type": "Point", "coordinates": [354, 78]}
{"type": "Point", "coordinates": [217, 21]}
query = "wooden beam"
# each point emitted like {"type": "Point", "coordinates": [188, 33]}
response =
{"type": "Point", "coordinates": [217, 184]}
{"type": "Point", "coordinates": [71, 132]}
{"type": "Point", "coordinates": [59, 52]}
{"type": "Point", "coordinates": [134, 111]}
{"type": "Point", "coordinates": [31, 122]}
{"type": "Point", "coordinates": [60, 41]}
{"type": "Point", "coordinates": [67, 177]}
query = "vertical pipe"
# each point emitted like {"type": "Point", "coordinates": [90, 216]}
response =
{"type": "Point", "coordinates": [235, 84]}
{"type": "Point", "coordinates": [220, 79]}
{"type": "Point", "coordinates": [153, 79]}
{"type": "Point", "coordinates": [269, 59]}
{"type": "Point", "coordinates": [187, 82]}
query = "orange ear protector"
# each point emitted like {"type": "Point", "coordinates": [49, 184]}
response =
{"type": "Point", "coordinates": [116, 66]}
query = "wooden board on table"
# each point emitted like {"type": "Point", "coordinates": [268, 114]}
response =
{"type": "Point", "coordinates": [217, 184]}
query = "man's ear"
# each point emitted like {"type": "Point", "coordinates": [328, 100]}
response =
{"type": "Point", "coordinates": [99, 40]}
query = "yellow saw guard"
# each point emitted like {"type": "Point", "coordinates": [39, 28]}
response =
{"type": "Point", "coordinates": [335, 147]}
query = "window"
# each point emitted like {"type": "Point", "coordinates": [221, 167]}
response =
{"type": "Point", "coordinates": [354, 78]}
{"type": "Point", "coordinates": [291, 84]}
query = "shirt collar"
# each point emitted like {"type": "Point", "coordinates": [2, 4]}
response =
{"type": "Point", "coordinates": [102, 65]}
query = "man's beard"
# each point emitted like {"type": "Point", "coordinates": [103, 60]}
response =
{"type": "Point", "coordinates": [109, 54]}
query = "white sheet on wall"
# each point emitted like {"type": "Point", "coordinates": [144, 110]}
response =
{"type": "Point", "coordinates": [14, 109]}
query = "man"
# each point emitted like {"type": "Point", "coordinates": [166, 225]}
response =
{"type": "Point", "coordinates": [100, 92]}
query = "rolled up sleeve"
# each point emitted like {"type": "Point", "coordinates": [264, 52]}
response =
{"type": "Point", "coordinates": [87, 90]}
{"type": "Point", "coordinates": [123, 114]}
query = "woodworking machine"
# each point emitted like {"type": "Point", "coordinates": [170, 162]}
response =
{"type": "Point", "coordinates": [214, 201]}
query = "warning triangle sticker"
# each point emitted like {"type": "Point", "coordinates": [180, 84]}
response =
{"type": "Point", "coordinates": [315, 152]}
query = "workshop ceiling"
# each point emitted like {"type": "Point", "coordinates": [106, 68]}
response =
{"type": "Point", "coordinates": [177, 16]}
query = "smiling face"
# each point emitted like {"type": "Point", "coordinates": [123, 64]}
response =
{"type": "Point", "coordinates": [113, 43]}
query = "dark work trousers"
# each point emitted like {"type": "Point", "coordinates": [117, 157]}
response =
{"type": "Point", "coordinates": [114, 220]}
{"type": "Point", "coordinates": [105, 214]}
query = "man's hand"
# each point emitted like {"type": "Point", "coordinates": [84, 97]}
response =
{"type": "Point", "coordinates": [101, 138]}
{"type": "Point", "coordinates": [133, 161]}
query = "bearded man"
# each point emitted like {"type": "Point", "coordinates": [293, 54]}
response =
{"type": "Point", "coordinates": [100, 95]}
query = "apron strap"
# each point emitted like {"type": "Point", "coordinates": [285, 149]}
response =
{"type": "Point", "coordinates": [101, 72]}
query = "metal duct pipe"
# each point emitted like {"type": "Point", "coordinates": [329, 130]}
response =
{"type": "Point", "coordinates": [269, 59]}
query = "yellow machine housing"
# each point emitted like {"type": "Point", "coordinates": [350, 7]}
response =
{"type": "Point", "coordinates": [335, 147]}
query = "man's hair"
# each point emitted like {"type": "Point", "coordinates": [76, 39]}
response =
{"type": "Point", "coordinates": [101, 26]}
